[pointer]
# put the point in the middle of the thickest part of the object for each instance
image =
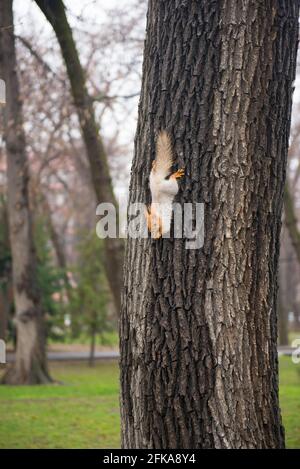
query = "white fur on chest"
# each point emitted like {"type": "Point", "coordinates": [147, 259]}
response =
{"type": "Point", "coordinates": [163, 192]}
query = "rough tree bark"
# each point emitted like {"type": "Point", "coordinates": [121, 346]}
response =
{"type": "Point", "coordinates": [198, 327]}
{"type": "Point", "coordinates": [56, 15]}
{"type": "Point", "coordinates": [30, 366]}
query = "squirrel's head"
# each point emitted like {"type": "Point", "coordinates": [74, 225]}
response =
{"type": "Point", "coordinates": [154, 165]}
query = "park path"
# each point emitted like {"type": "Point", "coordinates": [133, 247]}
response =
{"type": "Point", "coordinates": [110, 354]}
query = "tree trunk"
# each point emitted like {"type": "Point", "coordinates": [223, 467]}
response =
{"type": "Point", "coordinates": [3, 315]}
{"type": "Point", "coordinates": [54, 235]}
{"type": "Point", "coordinates": [30, 366]}
{"type": "Point", "coordinates": [286, 287]}
{"type": "Point", "coordinates": [5, 272]}
{"type": "Point", "coordinates": [56, 15]}
{"type": "Point", "coordinates": [198, 327]}
{"type": "Point", "coordinates": [296, 325]}
{"type": "Point", "coordinates": [57, 244]}
{"type": "Point", "coordinates": [5, 306]}
{"type": "Point", "coordinates": [92, 346]}
{"type": "Point", "coordinates": [282, 322]}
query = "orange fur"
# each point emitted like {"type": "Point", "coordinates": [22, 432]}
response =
{"type": "Point", "coordinates": [154, 222]}
{"type": "Point", "coordinates": [179, 174]}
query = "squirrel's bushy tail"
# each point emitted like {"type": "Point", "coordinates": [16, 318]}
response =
{"type": "Point", "coordinates": [164, 153]}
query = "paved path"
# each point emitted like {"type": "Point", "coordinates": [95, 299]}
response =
{"type": "Point", "coordinates": [111, 354]}
{"type": "Point", "coordinates": [76, 356]}
{"type": "Point", "coordinates": [285, 350]}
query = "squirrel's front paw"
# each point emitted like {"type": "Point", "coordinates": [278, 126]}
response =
{"type": "Point", "coordinates": [178, 174]}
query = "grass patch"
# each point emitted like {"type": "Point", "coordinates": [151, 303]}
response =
{"type": "Point", "coordinates": [84, 411]}
{"type": "Point", "coordinates": [289, 390]}
{"type": "Point", "coordinates": [81, 413]}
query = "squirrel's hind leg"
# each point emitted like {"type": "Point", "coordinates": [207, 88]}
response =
{"type": "Point", "coordinates": [157, 232]}
{"type": "Point", "coordinates": [148, 218]}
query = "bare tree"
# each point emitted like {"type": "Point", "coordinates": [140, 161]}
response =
{"type": "Point", "coordinates": [199, 327]}
{"type": "Point", "coordinates": [56, 15]}
{"type": "Point", "coordinates": [30, 365]}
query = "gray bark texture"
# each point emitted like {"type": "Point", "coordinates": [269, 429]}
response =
{"type": "Point", "coordinates": [199, 327]}
{"type": "Point", "coordinates": [30, 365]}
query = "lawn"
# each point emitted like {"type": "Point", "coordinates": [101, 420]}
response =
{"type": "Point", "coordinates": [83, 412]}
{"type": "Point", "coordinates": [290, 400]}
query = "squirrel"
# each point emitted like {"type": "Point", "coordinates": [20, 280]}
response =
{"type": "Point", "coordinates": [163, 187]}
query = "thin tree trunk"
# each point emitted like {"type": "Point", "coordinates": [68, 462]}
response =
{"type": "Point", "coordinates": [199, 327]}
{"type": "Point", "coordinates": [56, 15]}
{"type": "Point", "coordinates": [92, 346]}
{"type": "Point", "coordinates": [54, 236]}
{"type": "Point", "coordinates": [6, 300]}
{"type": "Point", "coordinates": [283, 323]}
{"type": "Point", "coordinates": [30, 365]}
{"type": "Point", "coordinates": [3, 315]}
{"type": "Point", "coordinates": [297, 318]}
{"type": "Point", "coordinates": [286, 288]}
{"type": "Point", "coordinates": [5, 273]}
{"type": "Point", "coordinates": [57, 245]}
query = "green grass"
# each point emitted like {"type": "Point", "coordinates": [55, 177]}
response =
{"type": "Point", "coordinates": [289, 389]}
{"type": "Point", "coordinates": [108, 338]}
{"type": "Point", "coordinates": [81, 413]}
{"type": "Point", "coordinates": [84, 411]}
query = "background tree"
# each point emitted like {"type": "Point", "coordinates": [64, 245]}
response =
{"type": "Point", "coordinates": [90, 299]}
{"type": "Point", "coordinates": [198, 327]}
{"type": "Point", "coordinates": [56, 15]}
{"type": "Point", "coordinates": [5, 271]}
{"type": "Point", "coordinates": [61, 189]}
{"type": "Point", "coordinates": [30, 365]}
{"type": "Point", "coordinates": [284, 300]}
{"type": "Point", "coordinates": [50, 278]}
